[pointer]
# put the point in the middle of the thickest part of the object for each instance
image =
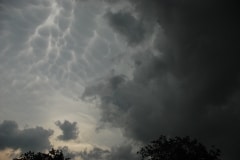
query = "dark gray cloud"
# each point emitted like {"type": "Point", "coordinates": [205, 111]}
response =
{"type": "Point", "coordinates": [126, 25]}
{"type": "Point", "coordinates": [124, 152]}
{"type": "Point", "coordinates": [70, 130]}
{"type": "Point", "coordinates": [34, 139]}
{"type": "Point", "coordinates": [192, 88]}
{"type": "Point", "coordinates": [95, 154]}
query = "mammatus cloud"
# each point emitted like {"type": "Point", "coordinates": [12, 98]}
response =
{"type": "Point", "coordinates": [48, 50]}
{"type": "Point", "coordinates": [191, 87]}
{"type": "Point", "coordinates": [34, 139]}
{"type": "Point", "coordinates": [185, 80]}
{"type": "Point", "coordinates": [70, 130]}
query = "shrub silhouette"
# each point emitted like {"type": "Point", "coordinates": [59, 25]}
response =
{"type": "Point", "coordinates": [177, 149]}
{"type": "Point", "coordinates": [51, 155]}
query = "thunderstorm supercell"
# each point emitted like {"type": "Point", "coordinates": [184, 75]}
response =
{"type": "Point", "coordinates": [99, 78]}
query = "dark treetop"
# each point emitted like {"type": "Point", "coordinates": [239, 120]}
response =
{"type": "Point", "coordinates": [177, 149]}
{"type": "Point", "coordinates": [51, 155]}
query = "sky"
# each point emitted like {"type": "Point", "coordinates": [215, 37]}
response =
{"type": "Point", "coordinates": [100, 78]}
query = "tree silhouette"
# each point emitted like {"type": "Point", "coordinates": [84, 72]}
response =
{"type": "Point", "coordinates": [177, 149]}
{"type": "Point", "coordinates": [51, 155]}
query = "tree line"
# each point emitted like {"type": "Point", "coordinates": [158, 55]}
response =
{"type": "Point", "coordinates": [163, 148]}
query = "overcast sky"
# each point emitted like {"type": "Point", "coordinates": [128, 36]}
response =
{"type": "Point", "coordinates": [98, 78]}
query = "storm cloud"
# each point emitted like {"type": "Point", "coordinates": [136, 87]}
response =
{"type": "Point", "coordinates": [191, 86]}
{"type": "Point", "coordinates": [94, 154]}
{"type": "Point", "coordinates": [123, 152]}
{"type": "Point", "coordinates": [152, 67]}
{"type": "Point", "coordinates": [70, 130]}
{"type": "Point", "coordinates": [49, 51]}
{"type": "Point", "coordinates": [126, 25]}
{"type": "Point", "coordinates": [34, 139]}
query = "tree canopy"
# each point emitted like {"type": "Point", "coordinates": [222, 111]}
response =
{"type": "Point", "coordinates": [51, 155]}
{"type": "Point", "coordinates": [177, 149]}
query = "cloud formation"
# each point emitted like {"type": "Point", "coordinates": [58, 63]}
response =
{"type": "Point", "coordinates": [94, 154]}
{"type": "Point", "coordinates": [126, 25]}
{"type": "Point", "coordinates": [49, 50]}
{"type": "Point", "coordinates": [34, 139]}
{"type": "Point", "coordinates": [70, 130]}
{"type": "Point", "coordinates": [191, 86]}
{"type": "Point", "coordinates": [177, 75]}
{"type": "Point", "coordinates": [123, 152]}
